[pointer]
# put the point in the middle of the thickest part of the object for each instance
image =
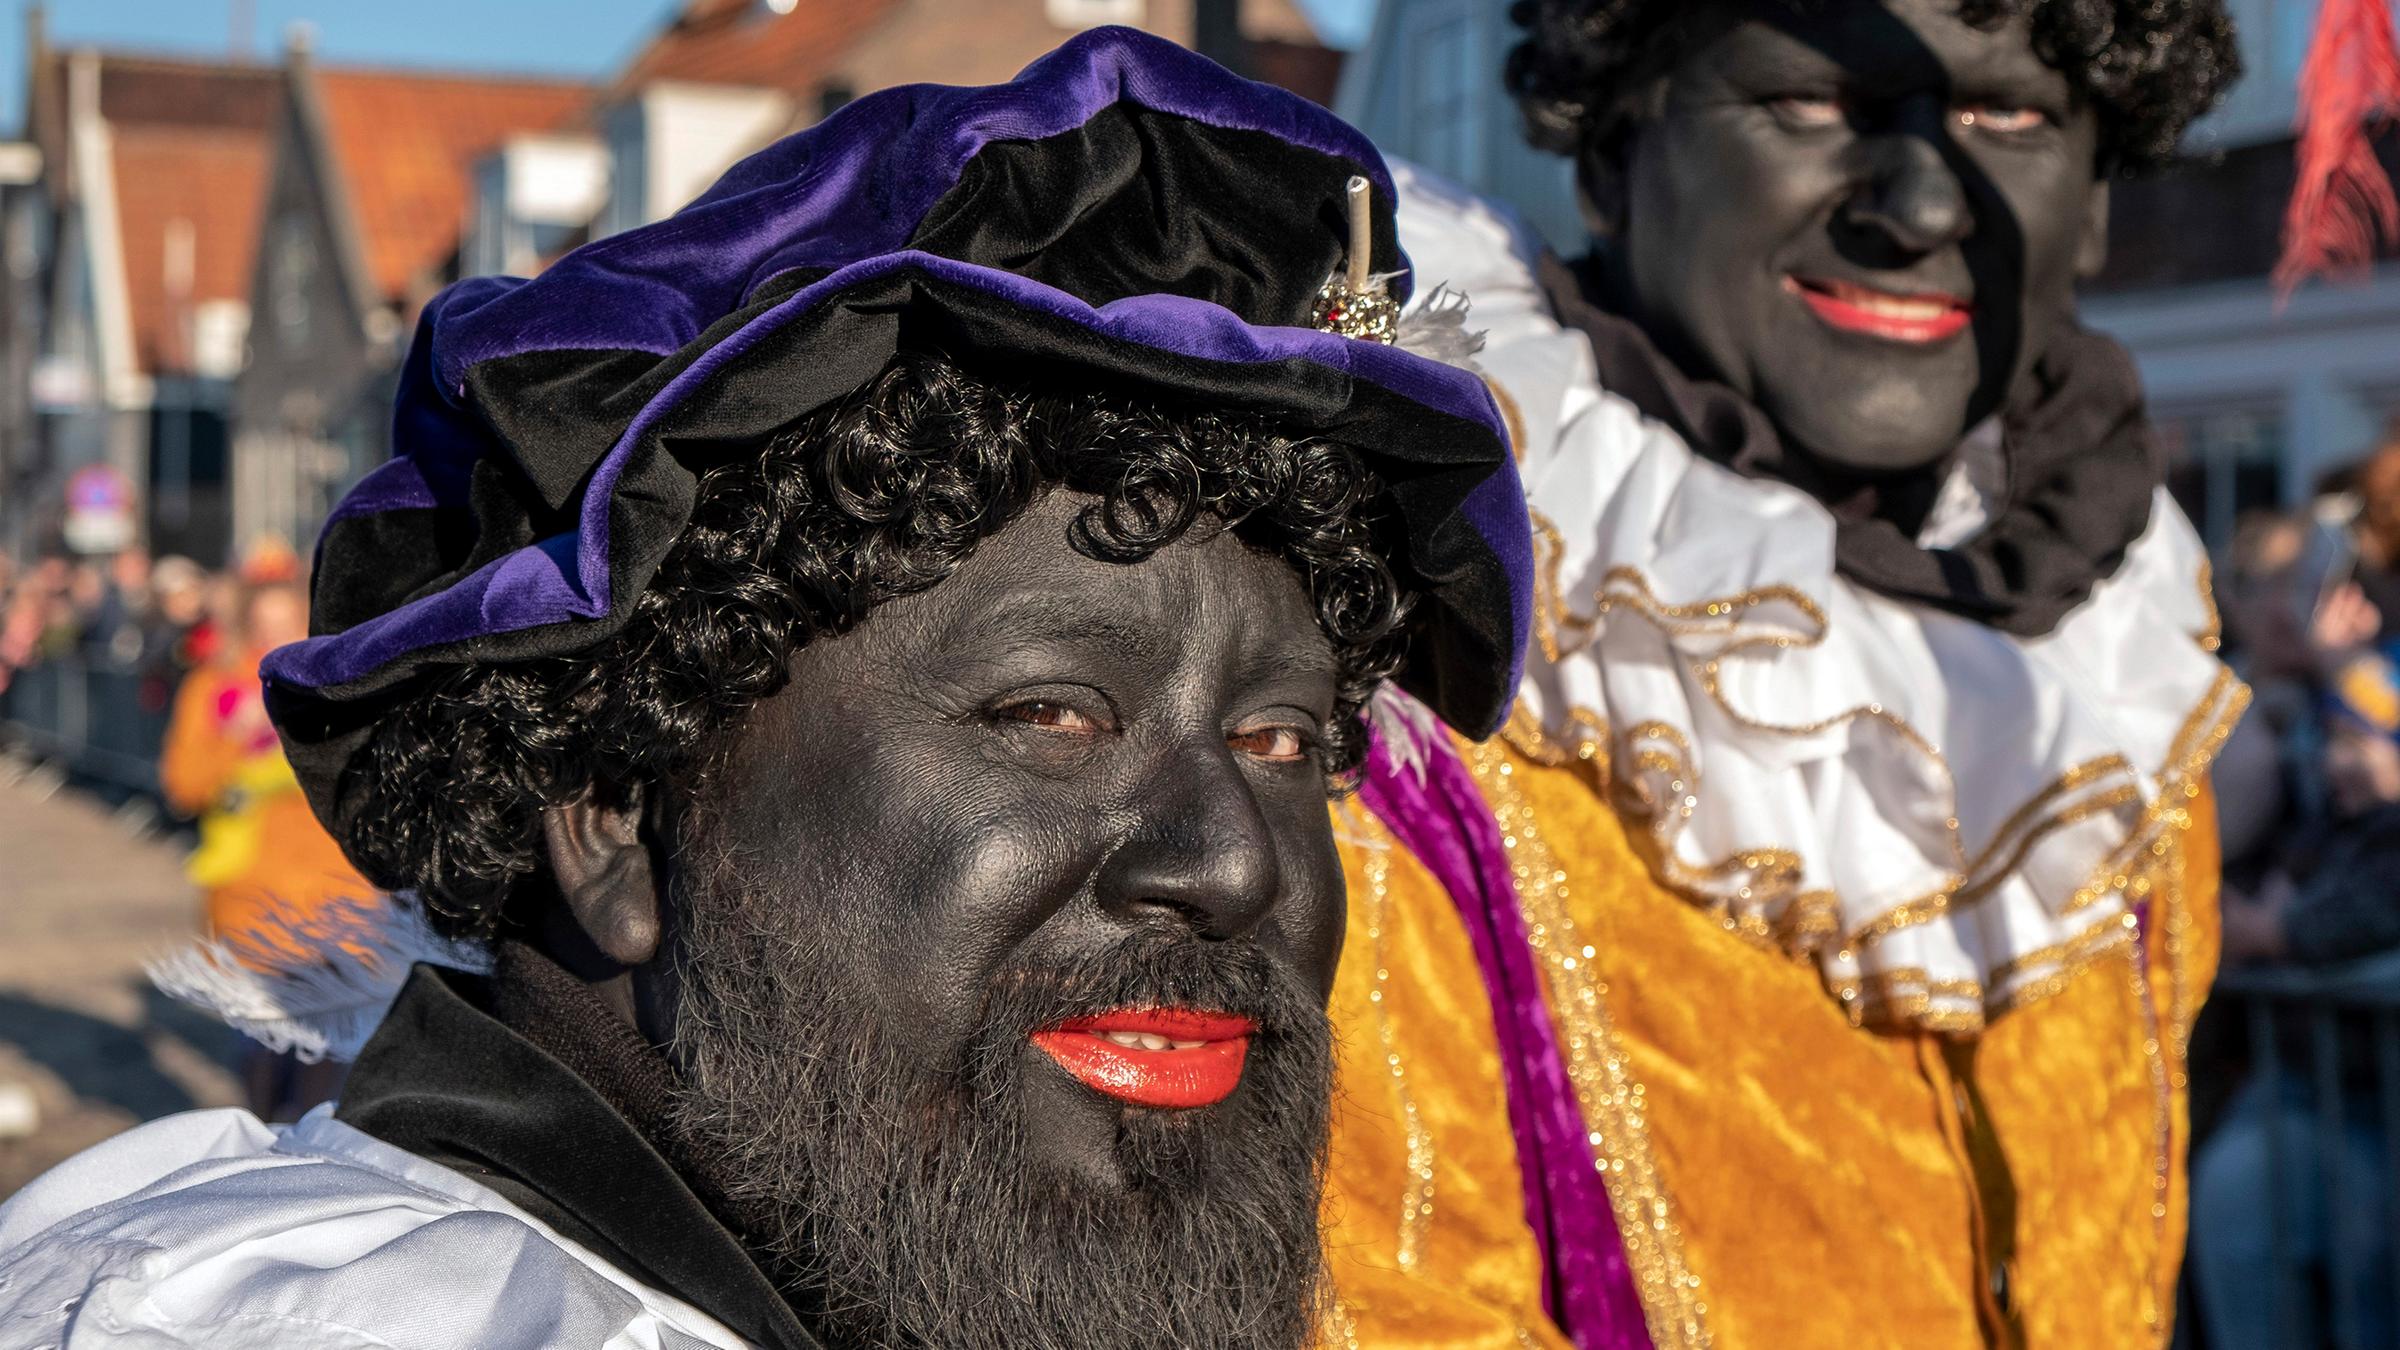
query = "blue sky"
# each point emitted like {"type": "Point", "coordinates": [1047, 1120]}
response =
{"type": "Point", "coordinates": [562, 37]}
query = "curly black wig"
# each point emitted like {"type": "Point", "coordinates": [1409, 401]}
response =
{"type": "Point", "coordinates": [2148, 67]}
{"type": "Point", "coordinates": [876, 497]}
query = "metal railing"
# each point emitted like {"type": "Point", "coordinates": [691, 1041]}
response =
{"type": "Point", "coordinates": [90, 720]}
{"type": "Point", "coordinates": [2311, 1136]}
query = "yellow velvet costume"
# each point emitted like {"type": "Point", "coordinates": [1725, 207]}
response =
{"type": "Point", "coordinates": [1781, 1177]}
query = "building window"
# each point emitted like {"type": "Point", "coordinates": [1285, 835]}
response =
{"type": "Point", "coordinates": [2383, 408]}
{"type": "Point", "coordinates": [628, 170]}
{"type": "Point", "coordinates": [488, 246]}
{"type": "Point", "coordinates": [1081, 14]}
{"type": "Point", "coordinates": [2222, 462]}
{"type": "Point", "coordinates": [291, 275]}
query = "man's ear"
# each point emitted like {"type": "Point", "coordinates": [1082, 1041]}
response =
{"type": "Point", "coordinates": [608, 874]}
{"type": "Point", "coordinates": [2091, 249]}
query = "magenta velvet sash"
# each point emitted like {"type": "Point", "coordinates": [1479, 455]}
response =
{"type": "Point", "coordinates": [1441, 818]}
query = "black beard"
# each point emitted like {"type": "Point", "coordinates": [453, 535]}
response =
{"type": "Point", "coordinates": [901, 1204]}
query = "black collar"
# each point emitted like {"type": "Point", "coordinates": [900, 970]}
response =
{"type": "Point", "coordinates": [448, 1081]}
{"type": "Point", "coordinates": [2082, 469]}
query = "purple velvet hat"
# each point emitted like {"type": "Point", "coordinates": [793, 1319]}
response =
{"type": "Point", "coordinates": [1124, 212]}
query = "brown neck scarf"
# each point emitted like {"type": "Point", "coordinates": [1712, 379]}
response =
{"type": "Point", "coordinates": [2082, 469]}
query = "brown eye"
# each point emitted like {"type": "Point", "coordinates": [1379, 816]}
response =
{"type": "Point", "coordinates": [1807, 113]}
{"type": "Point", "coordinates": [2002, 120]}
{"type": "Point", "coordinates": [1052, 716]}
{"type": "Point", "coordinates": [1281, 744]}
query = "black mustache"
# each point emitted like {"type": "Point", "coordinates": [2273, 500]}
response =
{"type": "Point", "coordinates": [1149, 970]}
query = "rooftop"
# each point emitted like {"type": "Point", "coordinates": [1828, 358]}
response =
{"type": "Point", "coordinates": [404, 143]}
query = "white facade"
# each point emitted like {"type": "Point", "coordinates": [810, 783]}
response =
{"type": "Point", "coordinates": [2256, 399]}
{"type": "Point", "coordinates": [672, 139]}
{"type": "Point", "coordinates": [2274, 37]}
{"type": "Point", "coordinates": [531, 195]}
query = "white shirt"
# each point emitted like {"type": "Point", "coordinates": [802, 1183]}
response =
{"type": "Point", "coordinates": [211, 1231]}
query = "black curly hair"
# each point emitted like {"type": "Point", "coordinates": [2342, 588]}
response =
{"type": "Point", "coordinates": [876, 497]}
{"type": "Point", "coordinates": [2148, 67]}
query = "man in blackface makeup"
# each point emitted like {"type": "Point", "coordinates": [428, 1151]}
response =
{"type": "Point", "coordinates": [1844, 884]}
{"type": "Point", "coordinates": [861, 665]}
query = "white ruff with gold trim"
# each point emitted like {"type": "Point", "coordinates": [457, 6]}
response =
{"type": "Point", "coordinates": [1943, 817]}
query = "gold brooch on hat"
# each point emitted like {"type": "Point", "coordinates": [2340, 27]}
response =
{"type": "Point", "coordinates": [1355, 302]}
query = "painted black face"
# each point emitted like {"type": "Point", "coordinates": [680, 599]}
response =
{"type": "Point", "coordinates": [1865, 215]}
{"type": "Point", "coordinates": [991, 790]}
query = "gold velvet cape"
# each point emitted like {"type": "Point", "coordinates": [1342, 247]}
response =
{"type": "Point", "coordinates": [1781, 1177]}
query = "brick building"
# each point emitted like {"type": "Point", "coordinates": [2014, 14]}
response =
{"type": "Point", "coordinates": [389, 184]}
{"type": "Point", "coordinates": [209, 269]}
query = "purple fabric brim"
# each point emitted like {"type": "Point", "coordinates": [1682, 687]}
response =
{"type": "Point", "coordinates": [567, 577]}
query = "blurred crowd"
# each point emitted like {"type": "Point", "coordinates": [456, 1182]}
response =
{"type": "Point", "coordinates": [2309, 800]}
{"type": "Point", "coordinates": [174, 648]}
{"type": "Point", "coordinates": [163, 618]}
{"type": "Point", "coordinates": [2310, 787]}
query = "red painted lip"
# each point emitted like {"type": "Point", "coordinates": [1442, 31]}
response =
{"type": "Point", "coordinates": [1842, 305]}
{"type": "Point", "coordinates": [1202, 1075]}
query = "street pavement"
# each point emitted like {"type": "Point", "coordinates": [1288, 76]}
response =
{"type": "Point", "coordinates": [86, 896]}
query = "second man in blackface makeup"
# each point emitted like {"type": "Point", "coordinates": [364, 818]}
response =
{"type": "Point", "coordinates": [1844, 885]}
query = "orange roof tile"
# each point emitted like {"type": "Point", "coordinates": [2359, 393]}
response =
{"type": "Point", "coordinates": [188, 143]}
{"type": "Point", "coordinates": [742, 42]}
{"type": "Point", "coordinates": [215, 181]}
{"type": "Point", "coordinates": [405, 144]}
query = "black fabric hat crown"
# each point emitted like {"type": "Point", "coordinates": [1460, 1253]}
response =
{"type": "Point", "coordinates": [1124, 211]}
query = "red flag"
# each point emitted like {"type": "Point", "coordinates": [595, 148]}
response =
{"type": "Point", "coordinates": [2342, 201]}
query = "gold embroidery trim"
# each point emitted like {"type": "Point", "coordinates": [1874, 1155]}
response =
{"type": "Point", "coordinates": [1416, 1197]}
{"type": "Point", "coordinates": [1964, 893]}
{"type": "Point", "coordinates": [1755, 891]}
{"type": "Point", "coordinates": [2212, 629]}
{"type": "Point", "coordinates": [1340, 1325]}
{"type": "Point", "coordinates": [2159, 1294]}
{"type": "Point", "coordinates": [1510, 417]}
{"type": "Point", "coordinates": [1612, 1100]}
{"type": "Point", "coordinates": [1549, 553]}
{"type": "Point", "coordinates": [2171, 897]}
{"type": "Point", "coordinates": [1582, 739]}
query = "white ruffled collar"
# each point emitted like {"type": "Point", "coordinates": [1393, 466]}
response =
{"type": "Point", "coordinates": [1946, 819]}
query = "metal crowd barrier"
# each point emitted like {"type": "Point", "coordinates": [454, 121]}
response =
{"type": "Point", "coordinates": [89, 720]}
{"type": "Point", "coordinates": [2322, 1052]}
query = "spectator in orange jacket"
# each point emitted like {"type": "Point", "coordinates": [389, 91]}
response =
{"type": "Point", "coordinates": [265, 864]}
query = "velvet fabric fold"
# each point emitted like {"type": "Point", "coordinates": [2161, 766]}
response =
{"type": "Point", "coordinates": [1429, 801]}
